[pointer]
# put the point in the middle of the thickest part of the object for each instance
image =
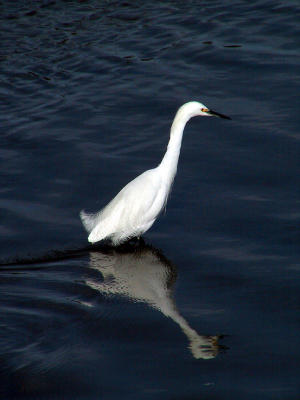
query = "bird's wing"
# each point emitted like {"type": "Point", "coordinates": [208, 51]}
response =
{"type": "Point", "coordinates": [138, 203]}
{"type": "Point", "coordinates": [140, 196]}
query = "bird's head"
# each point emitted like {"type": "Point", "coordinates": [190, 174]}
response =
{"type": "Point", "coordinates": [194, 108]}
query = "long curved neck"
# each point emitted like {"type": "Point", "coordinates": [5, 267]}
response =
{"type": "Point", "coordinates": [170, 159]}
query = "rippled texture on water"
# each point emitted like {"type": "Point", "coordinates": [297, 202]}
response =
{"type": "Point", "coordinates": [88, 93]}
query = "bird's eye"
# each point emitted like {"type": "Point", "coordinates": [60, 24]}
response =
{"type": "Point", "coordinates": [204, 109]}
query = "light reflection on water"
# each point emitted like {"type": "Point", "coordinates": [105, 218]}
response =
{"type": "Point", "coordinates": [145, 275]}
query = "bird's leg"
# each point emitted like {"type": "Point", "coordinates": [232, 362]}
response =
{"type": "Point", "coordinates": [136, 241]}
{"type": "Point", "coordinates": [141, 241]}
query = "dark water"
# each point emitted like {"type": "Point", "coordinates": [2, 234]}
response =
{"type": "Point", "coordinates": [208, 308]}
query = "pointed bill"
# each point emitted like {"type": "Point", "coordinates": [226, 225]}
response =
{"type": "Point", "coordinates": [216, 114]}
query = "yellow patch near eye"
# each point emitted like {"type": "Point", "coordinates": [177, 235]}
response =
{"type": "Point", "coordinates": [204, 109]}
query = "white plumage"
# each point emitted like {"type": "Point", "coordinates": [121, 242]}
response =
{"type": "Point", "coordinates": [135, 208]}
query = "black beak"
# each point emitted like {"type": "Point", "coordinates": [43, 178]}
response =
{"type": "Point", "coordinates": [216, 114]}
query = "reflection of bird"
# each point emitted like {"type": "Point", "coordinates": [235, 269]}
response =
{"type": "Point", "coordinates": [144, 275]}
{"type": "Point", "coordinates": [135, 208]}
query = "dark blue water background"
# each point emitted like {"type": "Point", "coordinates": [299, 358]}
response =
{"type": "Point", "coordinates": [88, 92]}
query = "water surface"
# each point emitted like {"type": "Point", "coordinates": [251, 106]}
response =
{"type": "Point", "coordinates": [207, 307]}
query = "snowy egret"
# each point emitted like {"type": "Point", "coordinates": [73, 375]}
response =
{"type": "Point", "coordinates": [135, 208]}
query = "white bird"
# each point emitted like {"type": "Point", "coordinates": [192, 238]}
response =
{"type": "Point", "coordinates": [135, 208]}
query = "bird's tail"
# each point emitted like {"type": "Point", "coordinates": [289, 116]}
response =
{"type": "Point", "coordinates": [89, 221]}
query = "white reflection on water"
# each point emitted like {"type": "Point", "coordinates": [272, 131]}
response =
{"type": "Point", "coordinates": [145, 275]}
